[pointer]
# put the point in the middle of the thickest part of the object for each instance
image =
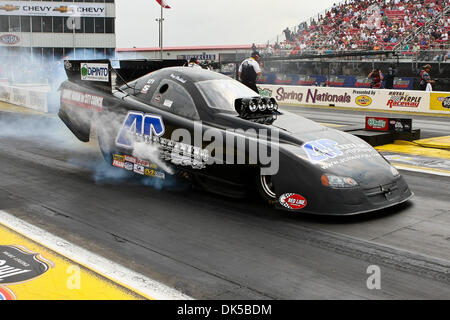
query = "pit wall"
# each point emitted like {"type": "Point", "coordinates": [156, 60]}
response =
{"type": "Point", "coordinates": [404, 101]}
{"type": "Point", "coordinates": [32, 97]}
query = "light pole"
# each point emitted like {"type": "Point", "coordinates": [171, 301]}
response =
{"type": "Point", "coordinates": [163, 5]}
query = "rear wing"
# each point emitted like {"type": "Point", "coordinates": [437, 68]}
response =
{"type": "Point", "coordinates": [99, 74]}
{"type": "Point", "coordinates": [94, 74]}
{"type": "Point", "coordinates": [130, 70]}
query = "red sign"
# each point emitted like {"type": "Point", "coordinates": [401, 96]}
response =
{"type": "Point", "coordinates": [377, 124]}
{"type": "Point", "coordinates": [293, 201]}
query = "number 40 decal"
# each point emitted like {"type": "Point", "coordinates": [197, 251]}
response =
{"type": "Point", "coordinates": [321, 150]}
{"type": "Point", "coordinates": [136, 123]}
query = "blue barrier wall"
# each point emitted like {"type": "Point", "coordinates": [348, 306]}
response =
{"type": "Point", "coordinates": [332, 81]}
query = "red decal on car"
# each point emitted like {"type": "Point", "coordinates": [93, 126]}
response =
{"type": "Point", "coordinates": [293, 201]}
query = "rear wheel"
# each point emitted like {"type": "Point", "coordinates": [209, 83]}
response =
{"type": "Point", "coordinates": [104, 144]}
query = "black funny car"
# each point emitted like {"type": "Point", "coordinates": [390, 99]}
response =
{"type": "Point", "coordinates": [158, 118]}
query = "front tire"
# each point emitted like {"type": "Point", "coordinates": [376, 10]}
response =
{"type": "Point", "coordinates": [266, 188]}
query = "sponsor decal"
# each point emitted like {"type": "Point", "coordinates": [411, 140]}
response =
{"type": "Point", "coordinates": [149, 129]}
{"type": "Point", "coordinates": [153, 173]}
{"type": "Point", "coordinates": [400, 125]}
{"type": "Point", "coordinates": [293, 201]}
{"type": "Point", "coordinates": [130, 159]}
{"type": "Point", "coordinates": [440, 101]}
{"type": "Point", "coordinates": [168, 103]}
{"type": "Point", "coordinates": [320, 151]}
{"type": "Point", "coordinates": [143, 163]}
{"type": "Point", "coordinates": [264, 92]}
{"type": "Point", "coordinates": [95, 72]}
{"type": "Point", "coordinates": [327, 97]}
{"type": "Point", "coordinates": [160, 175]}
{"type": "Point", "coordinates": [282, 95]}
{"type": "Point", "coordinates": [363, 101]}
{"type": "Point", "coordinates": [377, 124]}
{"type": "Point", "coordinates": [119, 164]}
{"type": "Point", "coordinates": [7, 294]}
{"type": "Point", "coordinates": [142, 167]}
{"type": "Point", "coordinates": [158, 98]}
{"type": "Point", "coordinates": [9, 8]}
{"type": "Point", "coordinates": [63, 9]}
{"type": "Point", "coordinates": [139, 169]}
{"type": "Point", "coordinates": [138, 126]}
{"type": "Point", "coordinates": [18, 264]}
{"type": "Point", "coordinates": [83, 100]}
{"type": "Point", "coordinates": [119, 157]}
{"type": "Point", "coordinates": [446, 102]}
{"type": "Point", "coordinates": [147, 86]}
{"type": "Point", "coordinates": [313, 96]}
{"type": "Point", "coordinates": [178, 78]}
{"type": "Point", "coordinates": [403, 99]}
{"type": "Point", "coordinates": [129, 166]}
{"type": "Point", "coordinates": [9, 39]}
{"type": "Point", "coordinates": [202, 57]}
{"type": "Point", "coordinates": [47, 8]}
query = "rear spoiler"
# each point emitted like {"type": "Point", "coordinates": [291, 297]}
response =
{"type": "Point", "coordinates": [94, 74]}
{"type": "Point", "coordinates": [130, 70]}
{"type": "Point", "coordinates": [97, 74]}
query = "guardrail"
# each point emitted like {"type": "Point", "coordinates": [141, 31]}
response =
{"type": "Point", "coordinates": [32, 97]}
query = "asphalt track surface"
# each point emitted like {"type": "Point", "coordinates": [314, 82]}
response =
{"type": "Point", "coordinates": [210, 247]}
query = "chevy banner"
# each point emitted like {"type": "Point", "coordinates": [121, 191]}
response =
{"type": "Point", "coordinates": [54, 9]}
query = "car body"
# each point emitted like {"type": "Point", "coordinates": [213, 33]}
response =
{"type": "Point", "coordinates": [318, 170]}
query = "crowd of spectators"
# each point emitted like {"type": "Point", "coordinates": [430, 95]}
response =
{"type": "Point", "coordinates": [408, 25]}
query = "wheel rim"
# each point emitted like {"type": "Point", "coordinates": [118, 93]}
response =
{"type": "Point", "coordinates": [267, 185]}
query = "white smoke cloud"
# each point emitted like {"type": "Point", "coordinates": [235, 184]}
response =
{"type": "Point", "coordinates": [52, 134]}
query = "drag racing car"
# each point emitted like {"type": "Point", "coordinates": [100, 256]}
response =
{"type": "Point", "coordinates": [161, 119]}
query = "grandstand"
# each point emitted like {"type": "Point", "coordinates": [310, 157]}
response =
{"type": "Point", "coordinates": [408, 26]}
{"type": "Point", "coordinates": [340, 46]}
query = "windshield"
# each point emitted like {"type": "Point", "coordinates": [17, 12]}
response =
{"type": "Point", "coordinates": [221, 94]}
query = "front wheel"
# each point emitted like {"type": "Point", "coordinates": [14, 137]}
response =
{"type": "Point", "coordinates": [266, 188]}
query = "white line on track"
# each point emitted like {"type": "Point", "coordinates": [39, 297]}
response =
{"type": "Point", "coordinates": [110, 269]}
{"type": "Point", "coordinates": [421, 170]}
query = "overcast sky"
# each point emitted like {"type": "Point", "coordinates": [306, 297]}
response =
{"type": "Point", "coordinates": [211, 22]}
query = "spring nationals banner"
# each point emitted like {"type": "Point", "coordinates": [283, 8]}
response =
{"type": "Point", "coordinates": [52, 9]}
{"type": "Point", "coordinates": [357, 98]}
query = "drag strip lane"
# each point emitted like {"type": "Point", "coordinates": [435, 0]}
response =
{"type": "Point", "coordinates": [207, 246]}
{"type": "Point", "coordinates": [212, 247]}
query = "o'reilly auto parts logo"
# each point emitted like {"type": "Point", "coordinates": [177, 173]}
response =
{"type": "Point", "coordinates": [17, 265]}
{"type": "Point", "coordinates": [374, 123]}
{"type": "Point", "coordinates": [95, 72]}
